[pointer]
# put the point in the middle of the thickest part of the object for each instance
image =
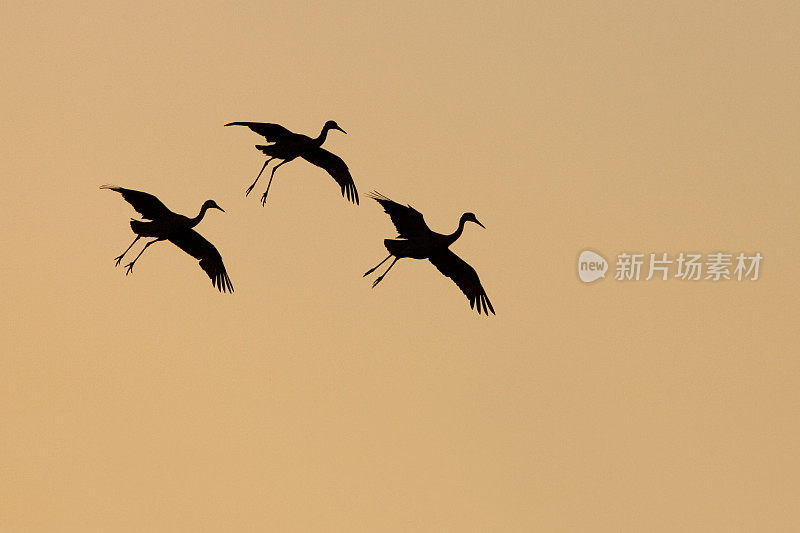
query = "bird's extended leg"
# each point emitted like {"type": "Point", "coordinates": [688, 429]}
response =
{"type": "Point", "coordinates": [129, 266]}
{"type": "Point", "coordinates": [384, 274]}
{"type": "Point", "coordinates": [264, 197]}
{"type": "Point", "coordinates": [119, 258]}
{"type": "Point", "coordinates": [371, 270]}
{"type": "Point", "coordinates": [250, 188]}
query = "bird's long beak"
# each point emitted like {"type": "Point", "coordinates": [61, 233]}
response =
{"type": "Point", "coordinates": [340, 129]}
{"type": "Point", "coordinates": [478, 223]}
{"type": "Point", "coordinates": [218, 207]}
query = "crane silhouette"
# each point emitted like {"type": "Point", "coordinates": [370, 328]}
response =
{"type": "Point", "coordinates": [163, 224]}
{"type": "Point", "coordinates": [417, 241]}
{"type": "Point", "coordinates": [288, 146]}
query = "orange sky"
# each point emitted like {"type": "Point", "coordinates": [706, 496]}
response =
{"type": "Point", "coordinates": [307, 401]}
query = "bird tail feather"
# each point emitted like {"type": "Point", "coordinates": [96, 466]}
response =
{"type": "Point", "coordinates": [109, 186]}
{"type": "Point", "coordinates": [138, 226]}
{"type": "Point", "coordinates": [395, 246]}
{"type": "Point", "coordinates": [265, 148]}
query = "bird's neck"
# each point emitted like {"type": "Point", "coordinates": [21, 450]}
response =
{"type": "Point", "coordinates": [453, 237]}
{"type": "Point", "coordinates": [196, 220]}
{"type": "Point", "coordinates": [323, 134]}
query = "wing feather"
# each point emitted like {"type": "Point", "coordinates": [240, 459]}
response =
{"type": "Point", "coordinates": [272, 132]}
{"type": "Point", "coordinates": [146, 204]}
{"type": "Point", "coordinates": [336, 167]}
{"type": "Point", "coordinates": [198, 247]}
{"type": "Point", "coordinates": [465, 277]}
{"type": "Point", "coordinates": [408, 221]}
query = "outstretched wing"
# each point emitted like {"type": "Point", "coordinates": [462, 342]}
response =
{"type": "Point", "coordinates": [195, 245]}
{"type": "Point", "coordinates": [336, 167]}
{"type": "Point", "coordinates": [148, 205]}
{"type": "Point", "coordinates": [408, 221]}
{"type": "Point", "coordinates": [272, 132]}
{"type": "Point", "coordinates": [464, 276]}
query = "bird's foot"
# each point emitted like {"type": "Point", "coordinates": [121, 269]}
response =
{"type": "Point", "coordinates": [248, 190]}
{"type": "Point", "coordinates": [264, 199]}
{"type": "Point", "coordinates": [129, 268]}
{"type": "Point", "coordinates": [368, 272]}
{"type": "Point", "coordinates": [378, 280]}
{"type": "Point", "coordinates": [117, 260]}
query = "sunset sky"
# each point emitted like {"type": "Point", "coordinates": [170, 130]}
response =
{"type": "Point", "coordinates": [308, 401]}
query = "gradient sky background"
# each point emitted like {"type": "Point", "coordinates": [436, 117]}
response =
{"type": "Point", "coordinates": [307, 401]}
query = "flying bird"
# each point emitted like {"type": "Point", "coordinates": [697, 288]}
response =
{"type": "Point", "coordinates": [287, 146]}
{"type": "Point", "coordinates": [163, 224]}
{"type": "Point", "coordinates": [417, 241]}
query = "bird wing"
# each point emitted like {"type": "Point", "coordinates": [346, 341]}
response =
{"type": "Point", "coordinates": [146, 204]}
{"type": "Point", "coordinates": [198, 247]}
{"type": "Point", "coordinates": [408, 221]}
{"type": "Point", "coordinates": [272, 132]}
{"type": "Point", "coordinates": [336, 167]}
{"type": "Point", "coordinates": [464, 276]}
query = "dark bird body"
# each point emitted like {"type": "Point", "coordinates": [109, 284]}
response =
{"type": "Point", "coordinates": [163, 224]}
{"type": "Point", "coordinates": [288, 146]}
{"type": "Point", "coordinates": [417, 241]}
